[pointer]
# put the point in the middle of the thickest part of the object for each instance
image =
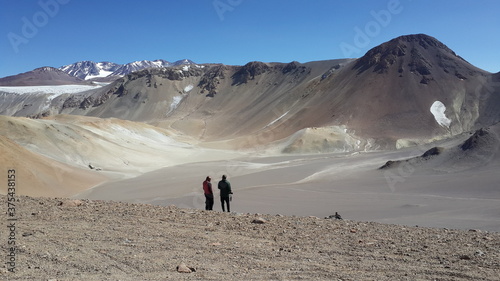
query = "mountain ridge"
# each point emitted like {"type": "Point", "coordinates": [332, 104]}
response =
{"type": "Point", "coordinates": [84, 72]}
{"type": "Point", "coordinates": [45, 75]}
{"type": "Point", "coordinates": [152, 135]}
{"type": "Point", "coordinates": [90, 70]}
{"type": "Point", "coordinates": [385, 99]}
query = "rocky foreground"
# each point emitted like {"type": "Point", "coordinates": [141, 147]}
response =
{"type": "Point", "coordinates": [62, 239]}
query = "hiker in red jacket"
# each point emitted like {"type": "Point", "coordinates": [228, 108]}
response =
{"type": "Point", "coordinates": [209, 194]}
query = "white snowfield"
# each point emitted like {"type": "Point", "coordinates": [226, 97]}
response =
{"type": "Point", "coordinates": [188, 88]}
{"type": "Point", "coordinates": [277, 119]}
{"type": "Point", "coordinates": [102, 73]}
{"type": "Point", "coordinates": [438, 109]}
{"type": "Point", "coordinates": [57, 90]}
{"type": "Point", "coordinates": [175, 102]}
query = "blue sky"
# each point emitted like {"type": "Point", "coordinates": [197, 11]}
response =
{"type": "Point", "coordinates": [59, 32]}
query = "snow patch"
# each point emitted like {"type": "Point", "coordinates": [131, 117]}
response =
{"type": "Point", "coordinates": [277, 119]}
{"type": "Point", "coordinates": [56, 90]}
{"type": "Point", "coordinates": [188, 88]}
{"type": "Point", "coordinates": [438, 109]}
{"type": "Point", "coordinates": [175, 102]}
{"type": "Point", "coordinates": [185, 68]}
{"type": "Point", "coordinates": [102, 73]}
{"type": "Point", "coordinates": [158, 63]}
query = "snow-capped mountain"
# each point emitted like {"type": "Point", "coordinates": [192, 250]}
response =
{"type": "Point", "coordinates": [90, 70]}
{"type": "Point", "coordinates": [139, 65]}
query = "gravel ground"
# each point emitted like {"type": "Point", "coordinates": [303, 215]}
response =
{"type": "Point", "coordinates": [63, 239]}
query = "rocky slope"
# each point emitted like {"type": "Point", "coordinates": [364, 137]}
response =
{"type": "Point", "coordinates": [61, 239]}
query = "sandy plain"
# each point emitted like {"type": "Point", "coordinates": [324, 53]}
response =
{"type": "Point", "coordinates": [455, 189]}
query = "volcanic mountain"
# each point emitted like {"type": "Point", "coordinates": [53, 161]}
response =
{"type": "Point", "coordinates": [389, 92]}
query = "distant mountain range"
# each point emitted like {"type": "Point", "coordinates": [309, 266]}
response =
{"type": "Point", "coordinates": [87, 70]}
{"type": "Point", "coordinates": [412, 89]}
{"type": "Point", "coordinates": [42, 76]}
{"type": "Point", "coordinates": [84, 72]}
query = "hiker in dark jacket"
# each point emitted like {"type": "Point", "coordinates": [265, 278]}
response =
{"type": "Point", "coordinates": [209, 194]}
{"type": "Point", "coordinates": [225, 192]}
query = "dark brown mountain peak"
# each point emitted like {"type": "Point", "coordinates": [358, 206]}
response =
{"type": "Point", "coordinates": [249, 71]}
{"type": "Point", "coordinates": [290, 67]}
{"type": "Point", "coordinates": [211, 79]}
{"type": "Point", "coordinates": [420, 52]}
{"type": "Point", "coordinates": [41, 76]}
{"type": "Point", "coordinates": [423, 40]}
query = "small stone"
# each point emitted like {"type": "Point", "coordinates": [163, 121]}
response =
{"type": "Point", "coordinates": [465, 257]}
{"type": "Point", "coordinates": [353, 230]}
{"type": "Point", "coordinates": [71, 203]}
{"type": "Point", "coordinates": [183, 268]}
{"type": "Point", "coordinates": [216, 244]}
{"type": "Point", "coordinates": [259, 220]}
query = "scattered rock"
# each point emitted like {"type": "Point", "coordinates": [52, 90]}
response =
{"type": "Point", "coordinates": [70, 203]}
{"type": "Point", "coordinates": [286, 248]}
{"type": "Point", "coordinates": [183, 268]}
{"type": "Point", "coordinates": [259, 220]}
{"type": "Point", "coordinates": [465, 257]}
{"type": "Point", "coordinates": [92, 167]}
{"type": "Point", "coordinates": [336, 216]}
{"type": "Point", "coordinates": [474, 140]}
